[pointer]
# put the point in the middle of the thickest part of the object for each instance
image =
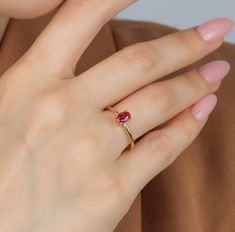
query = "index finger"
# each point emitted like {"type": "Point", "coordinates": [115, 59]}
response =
{"type": "Point", "coordinates": [75, 25]}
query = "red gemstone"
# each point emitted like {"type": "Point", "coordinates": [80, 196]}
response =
{"type": "Point", "coordinates": [123, 117]}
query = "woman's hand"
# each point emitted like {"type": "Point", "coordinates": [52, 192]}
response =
{"type": "Point", "coordinates": [64, 166]}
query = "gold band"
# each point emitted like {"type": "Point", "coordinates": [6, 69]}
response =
{"type": "Point", "coordinates": [126, 128]}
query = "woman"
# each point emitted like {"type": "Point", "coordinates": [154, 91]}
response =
{"type": "Point", "coordinates": [69, 163]}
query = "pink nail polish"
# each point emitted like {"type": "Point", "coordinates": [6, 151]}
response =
{"type": "Point", "coordinates": [203, 108]}
{"type": "Point", "coordinates": [215, 71]}
{"type": "Point", "coordinates": [214, 30]}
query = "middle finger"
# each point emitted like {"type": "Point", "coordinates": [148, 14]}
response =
{"type": "Point", "coordinates": [138, 65]}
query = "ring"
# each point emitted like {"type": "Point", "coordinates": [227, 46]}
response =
{"type": "Point", "coordinates": [122, 119]}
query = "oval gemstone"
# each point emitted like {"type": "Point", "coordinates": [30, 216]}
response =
{"type": "Point", "coordinates": [123, 117]}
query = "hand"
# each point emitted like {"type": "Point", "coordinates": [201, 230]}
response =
{"type": "Point", "coordinates": [64, 166]}
{"type": "Point", "coordinates": [27, 8]}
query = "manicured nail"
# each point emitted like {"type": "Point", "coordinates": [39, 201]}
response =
{"type": "Point", "coordinates": [203, 108]}
{"type": "Point", "coordinates": [214, 30]}
{"type": "Point", "coordinates": [215, 71]}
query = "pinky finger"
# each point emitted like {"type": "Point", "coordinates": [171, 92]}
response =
{"type": "Point", "coordinates": [158, 149]}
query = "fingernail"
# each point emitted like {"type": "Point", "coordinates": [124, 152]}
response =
{"type": "Point", "coordinates": [214, 30]}
{"type": "Point", "coordinates": [203, 108]}
{"type": "Point", "coordinates": [215, 71]}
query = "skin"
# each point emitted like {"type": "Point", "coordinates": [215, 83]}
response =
{"type": "Point", "coordinates": [63, 165]}
{"type": "Point", "coordinates": [24, 9]}
{"type": "Point", "coordinates": [27, 8]}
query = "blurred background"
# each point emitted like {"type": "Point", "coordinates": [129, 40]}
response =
{"type": "Point", "coordinates": [180, 13]}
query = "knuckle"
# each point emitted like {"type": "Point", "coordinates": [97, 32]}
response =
{"type": "Point", "coordinates": [187, 40]}
{"type": "Point", "coordinates": [94, 140]}
{"type": "Point", "coordinates": [89, 149]}
{"type": "Point", "coordinates": [91, 142]}
{"type": "Point", "coordinates": [162, 148]}
{"type": "Point", "coordinates": [159, 97]}
{"type": "Point", "coordinates": [48, 107]}
{"type": "Point", "coordinates": [141, 54]}
{"type": "Point", "coordinates": [89, 161]}
{"type": "Point", "coordinates": [190, 129]}
{"type": "Point", "coordinates": [45, 114]}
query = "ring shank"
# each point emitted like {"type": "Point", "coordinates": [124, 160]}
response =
{"type": "Point", "coordinates": [125, 127]}
{"type": "Point", "coordinates": [129, 134]}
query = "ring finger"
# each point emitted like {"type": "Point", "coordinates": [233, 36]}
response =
{"type": "Point", "coordinates": [160, 101]}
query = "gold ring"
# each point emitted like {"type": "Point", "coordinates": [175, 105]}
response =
{"type": "Point", "coordinates": [122, 119]}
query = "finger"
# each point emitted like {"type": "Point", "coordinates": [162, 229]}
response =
{"type": "Point", "coordinates": [160, 148]}
{"type": "Point", "coordinates": [64, 40]}
{"type": "Point", "coordinates": [158, 102]}
{"type": "Point", "coordinates": [140, 64]}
